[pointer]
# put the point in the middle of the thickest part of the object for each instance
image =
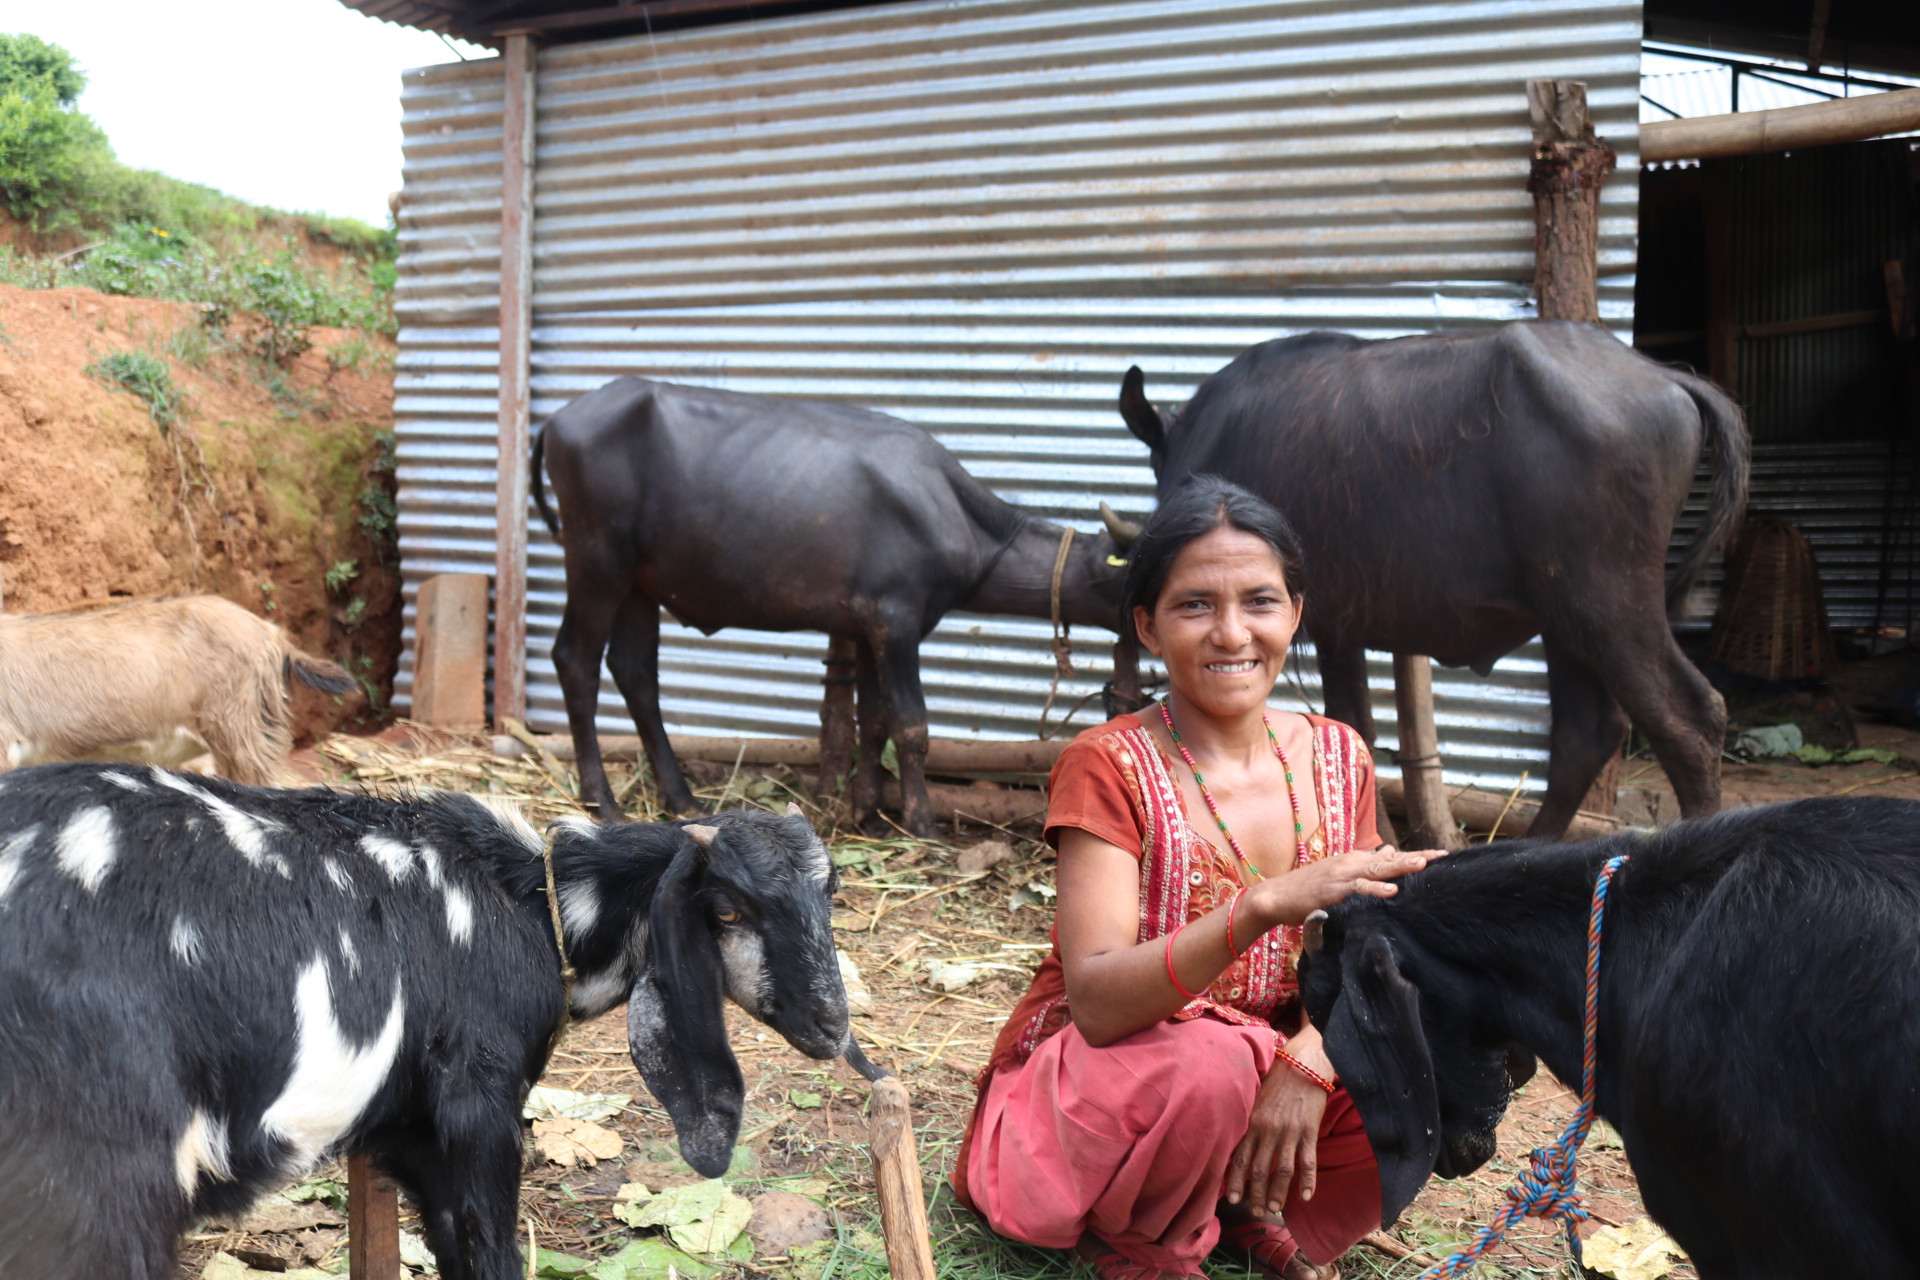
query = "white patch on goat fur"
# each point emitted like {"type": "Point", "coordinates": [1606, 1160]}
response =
{"type": "Point", "coordinates": [201, 1149]}
{"type": "Point", "coordinates": [459, 916]}
{"type": "Point", "coordinates": [87, 846]}
{"type": "Point", "coordinates": [338, 874]}
{"type": "Point", "coordinates": [579, 907]}
{"type": "Point", "coordinates": [430, 858]}
{"type": "Point", "coordinates": [819, 862]}
{"type": "Point", "coordinates": [745, 959]}
{"type": "Point", "coordinates": [13, 853]}
{"type": "Point", "coordinates": [122, 781]}
{"type": "Point", "coordinates": [185, 940]}
{"type": "Point", "coordinates": [349, 953]}
{"type": "Point", "coordinates": [247, 833]}
{"type": "Point", "coordinates": [332, 1081]}
{"type": "Point", "coordinates": [389, 853]}
{"type": "Point", "coordinates": [512, 821]}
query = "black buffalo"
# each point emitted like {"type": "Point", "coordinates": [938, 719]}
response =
{"type": "Point", "coordinates": [1457, 495]}
{"type": "Point", "coordinates": [732, 510]}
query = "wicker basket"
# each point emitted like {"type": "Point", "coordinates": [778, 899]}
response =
{"type": "Point", "coordinates": [1772, 619]}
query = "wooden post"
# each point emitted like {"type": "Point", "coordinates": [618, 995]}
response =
{"type": "Point", "coordinates": [836, 718]}
{"type": "Point", "coordinates": [896, 1176]}
{"type": "Point", "coordinates": [1428, 816]}
{"type": "Point", "coordinates": [450, 651]}
{"type": "Point", "coordinates": [516, 323]}
{"type": "Point", "coordinates": [1722, 358]}
{"type": "Point", "coordinates": [1569, 166]}
{"type": "Point", "coordinates": [373, 1222]}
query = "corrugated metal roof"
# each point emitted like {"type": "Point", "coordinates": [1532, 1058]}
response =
{"type": "Point", "coordinates": [976, 216]}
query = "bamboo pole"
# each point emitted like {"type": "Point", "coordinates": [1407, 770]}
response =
{"type": "Point", "coordinates": [944, 755]}
{"type": "Point", "coordinates": [1752, 133]}
{"type": "Point", "coordinates": [896, 1176]}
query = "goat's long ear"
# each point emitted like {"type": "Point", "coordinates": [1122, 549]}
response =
{"type": "Point", "coordinates": [1375, 1042]}
{"type": "Point", "coordinates": [676, 1022]}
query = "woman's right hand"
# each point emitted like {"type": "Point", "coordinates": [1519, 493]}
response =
{"type": "Point", "coordinates": [1292, 897]}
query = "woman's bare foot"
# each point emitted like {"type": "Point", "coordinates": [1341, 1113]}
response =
{"type": "Point", "coordinates": [1267, 1247]}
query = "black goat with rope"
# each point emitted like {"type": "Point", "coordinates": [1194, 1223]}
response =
{"type": "Point", "coordinates": [1758, 1028]}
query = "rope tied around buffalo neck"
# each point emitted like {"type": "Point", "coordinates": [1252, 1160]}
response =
{"type": "Point", "coordinates": [1550, 1186]}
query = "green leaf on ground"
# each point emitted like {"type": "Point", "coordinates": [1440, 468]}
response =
{"type": "Point", "coordinates": [804, 1100]}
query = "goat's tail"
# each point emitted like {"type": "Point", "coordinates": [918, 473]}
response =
{"type": "Point", "coordinates": [1727, 436]}
{"type": "Point", "coordinates": [318, 673]}
{"type": "Point", "coordinates": [540, 489]}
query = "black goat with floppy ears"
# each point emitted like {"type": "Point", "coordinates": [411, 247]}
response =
{"type": "Point", "coordinates": [204, 987]}
{"type": "Point", "coordinates": [1759, 1023]}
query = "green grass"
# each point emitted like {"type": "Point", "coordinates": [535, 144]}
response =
{"type": "Point", "coordinates": [147, 377]}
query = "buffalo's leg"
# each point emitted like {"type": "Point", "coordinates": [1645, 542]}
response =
{"type": "Point", "coordinates": [865, 814]}
{"type": "Point", "coordinates": [577, 649]}
{"type": "Point", "coordinates": [1343, 683]}
{"type": "Point", "coordinates": [1670, 702]}
{"type": "Point", "coordinates": [1588, 728]}
{"type": "Point", "coordinates": [837, 717]}
{"type": "Point", "coordinates": [634, 658]}
{"type": "Point", "coordinates": [897, 652]}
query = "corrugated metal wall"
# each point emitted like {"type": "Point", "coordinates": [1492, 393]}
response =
{"type": "Point", "coordinates": [976, 216]}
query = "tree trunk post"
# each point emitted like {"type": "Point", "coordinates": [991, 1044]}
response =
{"type": "Point", "coordinates": [1569, 166]}
{"type": "Point", "coordinates": [1428, 815]}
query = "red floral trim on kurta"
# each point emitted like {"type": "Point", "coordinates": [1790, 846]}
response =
{"type": "Point", "coordinates": [1183, 877]}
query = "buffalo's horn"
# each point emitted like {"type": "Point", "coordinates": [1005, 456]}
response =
{"type": "Point", "coordinates": [702, 836]}
{"type": "Point", "coordinates": [793, 810]}
{"type": "Point", "coordinates": [1315, 932]}
{"type": "Point", "coordinates": [1123, 532]}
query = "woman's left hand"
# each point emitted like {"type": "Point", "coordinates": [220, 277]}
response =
{"type": "Point", "coordinates": [1281, 1139]}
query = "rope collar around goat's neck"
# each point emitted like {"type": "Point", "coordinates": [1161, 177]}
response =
{"type": "Point", "coordinates": [567, 974]}
{"type": "Point", "coordinates": [1550, 1186]}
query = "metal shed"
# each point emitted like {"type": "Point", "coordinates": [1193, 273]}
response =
{"type": "Point", "coordinates": [975, 214]}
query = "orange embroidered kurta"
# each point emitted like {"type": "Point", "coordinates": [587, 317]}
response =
{"type": "Point", "coordinates": [1114, 783]}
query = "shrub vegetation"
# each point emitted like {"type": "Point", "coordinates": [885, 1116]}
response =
{"type": "Point", "coordinates": [152, 236]}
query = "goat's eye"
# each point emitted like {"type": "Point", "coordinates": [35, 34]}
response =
{"type": "Point", "coordinates": [727, 913]}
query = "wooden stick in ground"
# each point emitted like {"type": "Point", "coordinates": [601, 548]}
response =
{"type": "Point", "coordinates": [373, 1222]}
{"type": "Point", "coordinates": [1426, 795]}
{"type": "Point", "coordinates": [896, 1176]}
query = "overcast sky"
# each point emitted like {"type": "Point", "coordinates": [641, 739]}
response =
{"type": "Point", "coordinates": [288, 103]}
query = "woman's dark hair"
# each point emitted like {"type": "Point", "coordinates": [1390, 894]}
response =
{"type": "Point", "coordinates": [1195, 509]}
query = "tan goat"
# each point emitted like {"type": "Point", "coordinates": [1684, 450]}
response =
{"type": "Point", "coordinates": [145, 679]}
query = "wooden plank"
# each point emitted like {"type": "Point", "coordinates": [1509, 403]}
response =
{"type": "Point", "coordinates": [1752, 133]}
{"type": "Point", "coordinates": [1815, 324]}
{"type": "Point", "coordinates": [450, 652]}
{"type": "Point", "coordinates": [516, 328]}
{"type": "Point", "coordinates": [373, 1222]}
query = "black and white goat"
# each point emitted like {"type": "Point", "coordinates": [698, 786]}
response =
{"type": "Point", "coordinates": [1759, 1030]}
{"type": "Point", "coordinates": [204, 987]}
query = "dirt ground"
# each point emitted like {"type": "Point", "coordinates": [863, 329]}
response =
{"type": "Point", "coordinates": [254, 493]}
{"type": "Point", "coordinates": [902, 905]}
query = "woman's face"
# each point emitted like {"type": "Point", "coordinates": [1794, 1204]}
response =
{"type": "Point", "coordinates": [1223, 622]}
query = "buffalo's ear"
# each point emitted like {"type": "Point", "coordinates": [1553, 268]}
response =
{"type": "Point", "coordinates": [1376, 1044]}
{"type": "Point", "coordinates": [1140, 414]}
{"type": "Point", "coordinates": [676, 1022]}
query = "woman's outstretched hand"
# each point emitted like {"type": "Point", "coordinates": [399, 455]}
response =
{"type": "Point", "coordinates": [1290, 898]}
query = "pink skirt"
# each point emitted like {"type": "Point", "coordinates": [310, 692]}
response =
{"type": "Point", "coordinates": [1131, 1142]}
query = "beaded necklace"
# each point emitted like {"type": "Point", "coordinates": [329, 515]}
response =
{"type": "Point", "coordinates": [1286, 767]}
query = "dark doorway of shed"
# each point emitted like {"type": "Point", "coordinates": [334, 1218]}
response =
{"type": "Point", "coordinates": [1789, 280]}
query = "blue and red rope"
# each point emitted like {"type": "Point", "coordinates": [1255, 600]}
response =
{"type": "Point", "coordinates": [1550, 1187]}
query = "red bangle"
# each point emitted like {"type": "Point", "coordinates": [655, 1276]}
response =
{"type": "Point", "coordinates": [1328, 1086]}
{"type": "Point", "coordinates": [1232, 950]}
{"type": "Point", "coordinates": [1171, 975]}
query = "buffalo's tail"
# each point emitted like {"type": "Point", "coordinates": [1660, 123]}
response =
{"type": "Point", "coordinates": [318, 673]}
{"type": "Point", "coordinates": [1727, 436]}
{"type": "Point", "coordinates": [539, 488]}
